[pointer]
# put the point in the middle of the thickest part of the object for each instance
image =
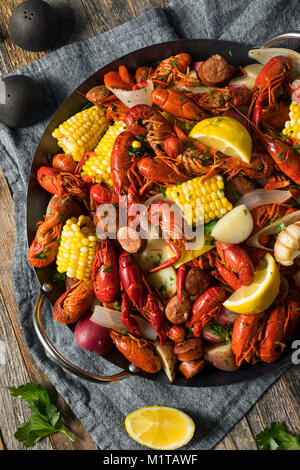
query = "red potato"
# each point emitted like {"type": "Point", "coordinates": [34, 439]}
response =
{"type": "Point", "coordinates": [220, 356]}
{"type": "Point", "coordinates": [211, 335]}
{"type": "Point", "coordinates": [225, 317]}
{"type": "Point", "coordinates": [93, 337]}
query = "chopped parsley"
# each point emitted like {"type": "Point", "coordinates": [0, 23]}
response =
{"type": "Point", "coordinates": [211, 95]}
{"type": "Point", "coordinates": [230, 53]}
{"type": "Point", "coordinates": [59, 277]}
{"type": "Point", "coordinates": [42, 254]}
{"type": "Point", "coordinates": [245, 211]}
{"type": "Point", "coordinates": [276, 437]}
{"type": "Point", "coordinates": [163, 288]}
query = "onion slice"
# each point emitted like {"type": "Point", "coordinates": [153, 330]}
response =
{"type": "Point", "coordinates": [133, 97]}
{"type": "Point", "coordinates": [287, 220]}
{"type": "Point", "coordinates": [259, 197]}
{"type": "Point", "coordinates": [112, 319]}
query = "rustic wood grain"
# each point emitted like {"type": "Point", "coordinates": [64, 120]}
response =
{"type": "Point", "coordinates": [280, 403]}
{"type": "Point", "coordinates": [106, 14]}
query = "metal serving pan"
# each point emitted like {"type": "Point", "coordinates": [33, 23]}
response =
{"type": "Point", "coordinates": [37, 200]}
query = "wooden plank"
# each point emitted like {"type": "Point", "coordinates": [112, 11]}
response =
{"type": "Point", "coordinates": [22, 368]}
{"type": "Point", "coordinates": [279, 403]}
{"type": "Point", "coordinates": [106, 14]}
{"type": "Point", "coordinates": [76, 26]}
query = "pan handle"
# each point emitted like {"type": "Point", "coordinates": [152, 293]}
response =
{"type": "Point", "coordinates": [282, 37]}
{"type": "Point", "coordinates": [58, 358]}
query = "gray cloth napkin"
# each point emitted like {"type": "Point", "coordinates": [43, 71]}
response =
{"type": "Point", "coordinates": [103, 408]}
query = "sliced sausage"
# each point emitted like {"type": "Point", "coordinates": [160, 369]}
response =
{"type": "Point", "coordinates": [176, 312]}
{"type": "Point", "coordinates": [237, 187]}
{"type": "Point", "coordinates": [196, 282]}
{"type": "Point", "coordinates": [215, 71]}
{"type": "Point", "coordinates": [177, 333]}
{"type": "Point", "coordinates": [189, 350]}
{"type": "Point", "coordinates": [191, 368]}
{"type": "Point", "coordinates": [130, 240]}
{"type": "Point", "coordinates": [97, 94]}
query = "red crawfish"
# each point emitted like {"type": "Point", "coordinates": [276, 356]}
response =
{"type": "Point", "coordinates": [178, 104]}
{"type": "Point", "coordinates": [105, 273]}
{"type": "Point", "coordinates": [74, 303]}
{"type": "Point", "coordinates": [61, 182]}
{"type": "Point", "coordinates": [235, 266]}
{"type": "Point", "coordinates": [205, 308]}
{"type": "Point", "coordinates": [138, 351]}
{"type": "Point", "coordinates": [270, 82]}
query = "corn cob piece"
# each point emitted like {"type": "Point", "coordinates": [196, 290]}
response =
{"type": "Point", "coordinates": [77, 248]}
{"type": "Point", "coordinates": [98, 165]}
{"type": "Point", "coordinates": [292, 127]}
{"type": "Point", "coordinates": [200, 201]}
{"type": "Point", "coordinates": [81, 132]}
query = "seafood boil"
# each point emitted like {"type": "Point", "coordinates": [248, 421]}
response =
{"type": "Point", "coordinates": [174, 215]}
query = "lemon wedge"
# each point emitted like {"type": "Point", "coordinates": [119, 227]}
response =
{"type": "Point", "coordinates": [225, 134]}
{"type": "Point", "coordinates": [261, 293]}
{"type": "Point", "coordinates": [160, 427]}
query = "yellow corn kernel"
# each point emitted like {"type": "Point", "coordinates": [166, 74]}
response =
{"type": "Point", "coordinates": [200, 200]}
{"type": "Point", "coordinates": [81, 132]}
{"type": "Point", "coordinates": [292, 127]}
{"type": "Point", "coordinates": [97, 166]}
{"type": "Point", "coordinates": [77, 248]}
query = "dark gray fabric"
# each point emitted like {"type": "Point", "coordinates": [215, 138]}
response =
{"type": "Point", "coordinates": [102, 409]}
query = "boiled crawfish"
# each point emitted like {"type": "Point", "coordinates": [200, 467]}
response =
{"type": "Point", "coordinates": [134, 285]}
{"type": "Point", "coordinates": [178, 104]}
{"type": "Point", "coordinates": [271, 81]}
{"type": "Point", "coordinates": [74, 303]}
{"type": "Point", "coordinates": [138, 351]}
{"type": "Point", "coordinates": [173, 70]}
{"type": "Point", "coordinates": [145, 121]}
{"type": "Point", "coordinates": [61, 182]}
{"type": "Point", "coordinates": [43, 250]}
{"type": "Point", "coordinates": [234, 266]}
{"type": "Point", "coordinates": [206, 307]}
{"type": "Point", "coordinates": [263, 336]}
{"type": "Point", "coordinates": [105, 274]}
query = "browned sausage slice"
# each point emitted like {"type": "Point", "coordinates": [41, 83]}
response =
{"type": "Point", "coordinates": [189, 350]}
{"type": "Point", "coordinates": [191, 368]}
{"type": "Point", "coordinates": [196, 282]}
{"type": "Point", "coordinates": [215, 71]}
{"type": "Point", "coordinates": [130, 240]}
{"type": "Point", "coordinates": [176, 312]}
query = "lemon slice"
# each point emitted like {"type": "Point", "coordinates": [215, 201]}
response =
{"type": "Point", "coordinates": [225, 134]}
{"type": "Point", "coordinates": [261, 293]}
{"type": "Point", "coordinates": [160, 427]}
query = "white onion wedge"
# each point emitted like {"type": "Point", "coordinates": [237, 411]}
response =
{"type": "Point", "coordinates": [112, 319]}
{"type": "Point", "coordinates": [132, 97]}
{"type": "Point", "coordinates": [259, 197]}
{"type": "Point", "coordinates": [287, 220]}
{"type": "Point", "coordinates": [264, 54]}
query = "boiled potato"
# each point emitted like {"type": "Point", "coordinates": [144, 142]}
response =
{"type": "Point", "coordinates": [235, 227]}
{"type": "Point", "coordinates": [155, 253]}
{"type": "Point", "coordinates": [220, 356]}
{"type": "Point", "coordinates": [168, 358]}
{"type": "Point", "coordinates": [164, 280]}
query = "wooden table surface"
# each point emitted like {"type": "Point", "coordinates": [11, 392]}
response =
{"type": "Point", "coordinates": [280, 403]}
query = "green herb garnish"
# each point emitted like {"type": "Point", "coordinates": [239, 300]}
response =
{"type": "Point", "coordinates": [46, 418]}
{"type": "Point", "coordinates": [276, 437]}
{"type": "Point", "coordinates": [208, 227]}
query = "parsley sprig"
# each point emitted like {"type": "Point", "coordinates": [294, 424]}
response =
{"type": "Point", "coordinates": [276, 437]}
{"type": "Point", "coordinates": [46, 418]}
